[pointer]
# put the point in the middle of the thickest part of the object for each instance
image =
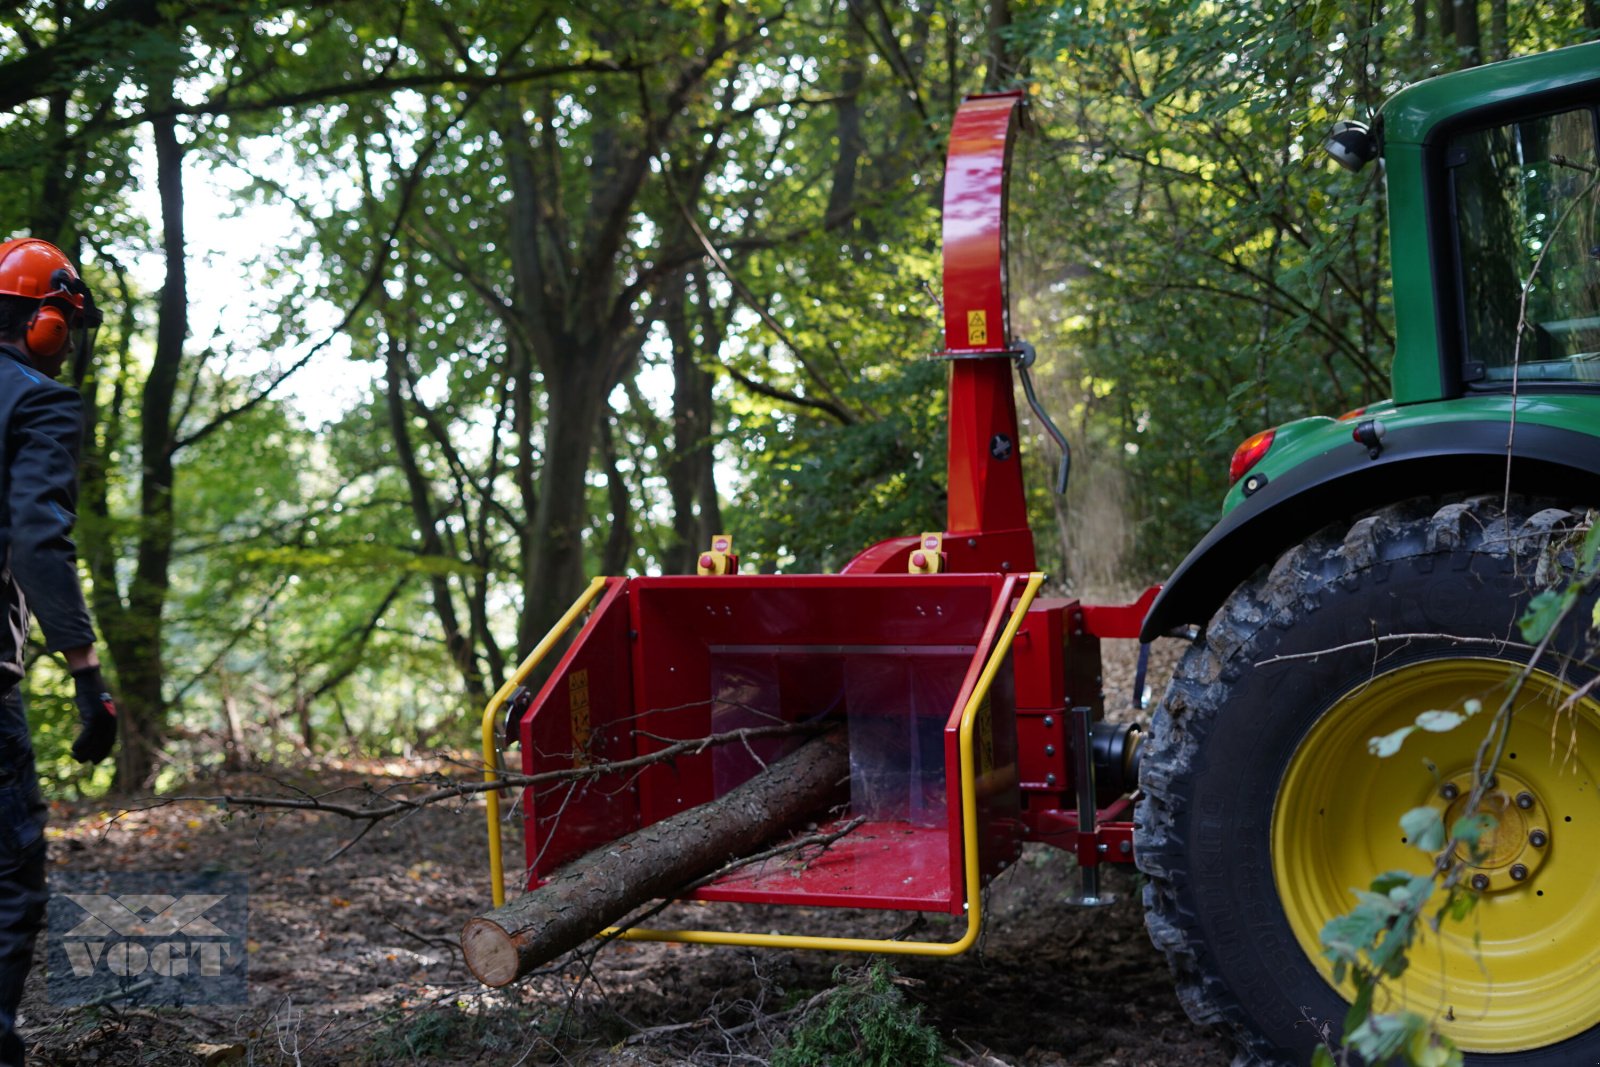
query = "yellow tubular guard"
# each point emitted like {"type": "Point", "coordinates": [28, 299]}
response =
{"type": "Point", "coordinates": [491, 746]}
{"type": "Point", "coordinates": [969, 838]}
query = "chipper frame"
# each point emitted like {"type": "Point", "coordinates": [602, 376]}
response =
{"type": "Point", "coordinates": [973, 705]}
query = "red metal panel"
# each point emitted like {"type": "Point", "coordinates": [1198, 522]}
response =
{"type": "Point", "coordinates": [1119, 620]}
{"type": "Point", "coordinates": [876, 865]}
{"type": "Point", "coordinates": [977, 316]}
{"type": "Point", "coordinates": [996, 771]}
{"type": "Point", "coordinates": [1039, 654]}
{"type": "Point", "coordinates": [581, 716]}
{"type": "Point", "coordinates": [985, 466]}
{"type": "Point", "coordinates": [684, 626]}
{"type": "Point", "coordinates": [885, 557]}
{"type": "Point", "coordinates": [985, 470]}
{"type": "Point", "coordinates": [1044, 760]}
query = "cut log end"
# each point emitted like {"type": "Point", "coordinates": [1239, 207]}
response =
{"type": "Point", "coordinates": [490, 952]}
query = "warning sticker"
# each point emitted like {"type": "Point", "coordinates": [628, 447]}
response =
{"type": "Point", "coordinates": [977, 328]}
{"type": "Point", "coordinates": [582, 730]}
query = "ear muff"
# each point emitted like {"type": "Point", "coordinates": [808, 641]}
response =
{"type": "Point", "coordinates": [47, 331]}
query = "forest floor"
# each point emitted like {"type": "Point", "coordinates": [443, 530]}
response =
{"type": "Point", "coordinates": [352, 959]}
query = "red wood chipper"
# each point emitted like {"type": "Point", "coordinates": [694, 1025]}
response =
{"type": "Point", "coordinates": [973, 705]}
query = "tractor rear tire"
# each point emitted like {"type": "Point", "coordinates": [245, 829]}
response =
{"type": "Point", "coordinates": [1262, 806]}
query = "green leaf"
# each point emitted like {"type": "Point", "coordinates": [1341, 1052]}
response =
{"type": "Point", "coordinates": [1381, 1036]}
{"type": "Point", "coordinates": [1360, 1013]}
{"type": "Point", "coordinates": [1438, 722]}
{"type": "Point", "coordinates": [1388, 744]}
{"type": "Point", "coordinates": [1428, 1049]}
{"type": "Point", "coordinates": [1544, 611]}
{"type": "Point", "coordinates": [1425, 828]}
{"type": "Point", "coordinates": [1469, 829]}
{"type": "Point", "coordinates": [1322, 1057]}
{"type": "Point", "coordinates": [1588, 554]}
{"type": "Point", "coordinates": [1388, 881]}
{"type": "Point", "coordinates": [1460, 904]}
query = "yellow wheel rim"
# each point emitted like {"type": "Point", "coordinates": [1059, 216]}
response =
{"type": "Point", "coordinates": [1518, 973]}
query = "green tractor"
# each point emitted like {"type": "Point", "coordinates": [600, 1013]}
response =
{"type": "Point", "coordinates": [1373, 566]}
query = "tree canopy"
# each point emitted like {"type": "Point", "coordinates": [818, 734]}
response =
{"type": "Point", "coordinates": [611, 278]}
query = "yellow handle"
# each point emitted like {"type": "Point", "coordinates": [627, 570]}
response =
{"type": "Point", "coordinates": [491, 748]}
{"type": "Point", "coordinates": [969, 837]}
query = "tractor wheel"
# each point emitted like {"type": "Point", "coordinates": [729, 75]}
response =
{"type": "Point", "coordinates": [1263, 806]}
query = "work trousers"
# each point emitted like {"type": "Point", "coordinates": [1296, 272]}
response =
{"type": "Point", "coordinates": [22, 888]}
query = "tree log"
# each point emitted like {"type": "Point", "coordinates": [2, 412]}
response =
{"type": "Point", "coordinates": [596, 890]}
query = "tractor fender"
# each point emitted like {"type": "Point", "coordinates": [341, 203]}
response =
{"type": "Point", "coordinates": [1420, 460]}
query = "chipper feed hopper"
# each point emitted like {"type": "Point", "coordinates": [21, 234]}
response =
{"type": "Point", "coordinates": [971, 704]}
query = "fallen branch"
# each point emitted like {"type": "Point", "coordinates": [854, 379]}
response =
{"type": "Point", "coordinates": [1374, 642]}
{"type": "Point", "coordinates": [385, 805]}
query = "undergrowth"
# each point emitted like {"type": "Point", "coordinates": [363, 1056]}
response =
{"type": "Point", "coordinates": [865, 1022]}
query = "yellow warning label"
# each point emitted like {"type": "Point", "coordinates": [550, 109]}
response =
{"type": "Point", "coordinates": [977, 328]}
{"type": "Point", "coordinates": [582, 730]}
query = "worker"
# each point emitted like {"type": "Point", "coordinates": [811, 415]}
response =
{"type": "Point", "coordinates": [46, 314]}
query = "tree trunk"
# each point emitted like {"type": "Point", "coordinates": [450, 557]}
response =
{"type": "Point", "coordinates": [691, 465]}
{"type": "Point", "coordinates": [457, 641]}
{"type": "Point", "coordinates": [597, 890]}
{"type": "Point", "coordinates": [1499, 31]}
{"type": "Point", "coordinates": [619, 542]}
{"type": "Point", "coordinates": [1469, 38]}
{"type": "Point", "coordinates": [1001, 69]}
{"type": "Point", "coordinates": [577, 398]}
{"type": "Point", "coordinates": [233, 733]}
{"type": "Point", "coordinates": [135, 636]}
{"type": "Point", "coordinates": [852, 143]}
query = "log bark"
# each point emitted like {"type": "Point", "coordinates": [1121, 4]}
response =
{"type": "Point", "coordinates": [597, 890]}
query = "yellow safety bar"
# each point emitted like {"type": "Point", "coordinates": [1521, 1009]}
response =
{"type": "Point", "coordinates": [491, 747]}
{"type": "Point", "coordinates": [969, 837]}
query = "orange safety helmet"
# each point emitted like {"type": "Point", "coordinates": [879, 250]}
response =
{"type": "Point", "coordinates": [38, 270]}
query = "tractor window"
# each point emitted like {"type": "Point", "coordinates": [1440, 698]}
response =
{"type": "Point", "coordinates": [1525, 203]}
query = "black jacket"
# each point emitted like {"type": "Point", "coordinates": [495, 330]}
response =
{"type": "Point", "coordinates": [41, 425]}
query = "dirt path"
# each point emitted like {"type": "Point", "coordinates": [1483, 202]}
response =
{"type": "Point", "coordinates": [352, 960]}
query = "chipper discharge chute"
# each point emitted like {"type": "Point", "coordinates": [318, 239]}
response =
{"type": "Point", "coordinates": [965, 709]}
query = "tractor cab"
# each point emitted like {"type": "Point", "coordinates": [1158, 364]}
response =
{"type": "Point", "coordinates": [1493, 180]}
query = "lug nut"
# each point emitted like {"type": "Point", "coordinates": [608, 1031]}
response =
{"type": "Point", "coordinates": [1538, 838]}
{"type": "Point", "coordinates": [1480, 882]}
{"type": "Point", "coordinates": [1518, 872]}
{"type": "Point", "coordinates": [1491, 782]}
{"type": "Point", "coordinates": [1449, 790]}
{"type": "Point", "coordinates": [1524, 800]}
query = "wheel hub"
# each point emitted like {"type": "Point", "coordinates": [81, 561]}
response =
{"type": "Point", "coordinates": [1512, 850]}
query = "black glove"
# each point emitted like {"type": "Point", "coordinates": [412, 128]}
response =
{"type": "Point", "coordinates": [97, 714]}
